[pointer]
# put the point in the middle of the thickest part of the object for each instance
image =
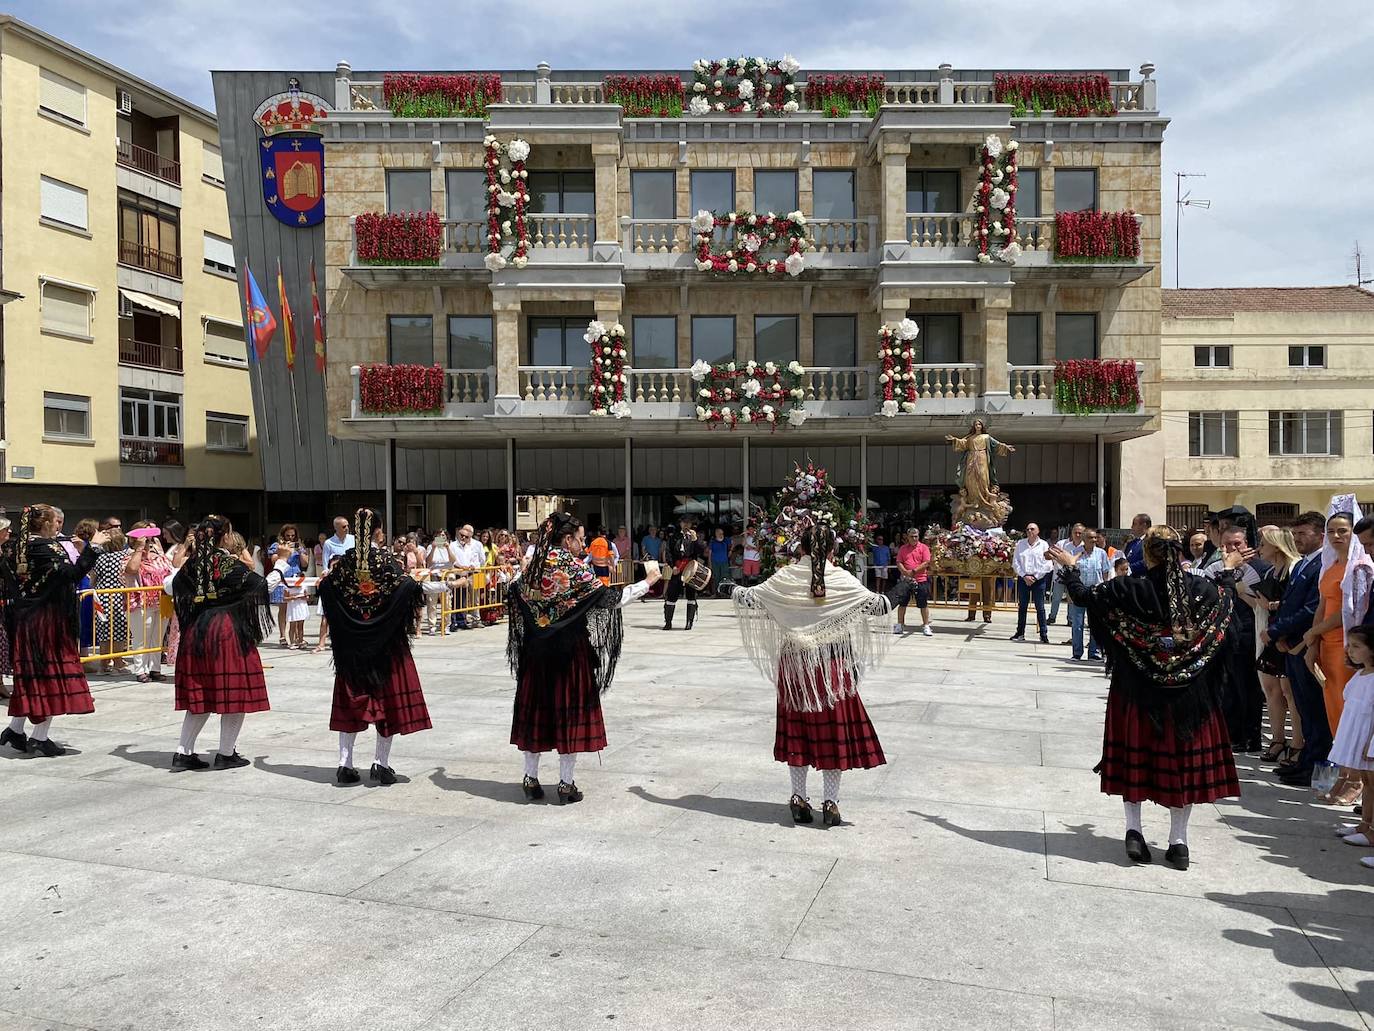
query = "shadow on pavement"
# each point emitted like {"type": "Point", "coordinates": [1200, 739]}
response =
{"type": "Point", "coordinates": [1081, 843]}
{"type": "Point", "coordinates": [495, 790]}
{"type": "Point", "coordinates": [731, 808]}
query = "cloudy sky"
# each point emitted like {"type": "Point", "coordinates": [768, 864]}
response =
{"type": "Point", "coordinates": [1261, 92]}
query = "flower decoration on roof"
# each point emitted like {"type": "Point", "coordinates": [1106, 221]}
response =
{"type": "Point", "coordinates": [745, 86]}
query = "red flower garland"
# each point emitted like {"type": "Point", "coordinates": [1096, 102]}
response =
{"type": "Point", "coordinates": [1084, 385]}
{"type": "Point", "coordinates": [1096, 236]}
{"type": "Point", "coordinates": [897, 357]}
{"type": "Point", "coordinates": [996, 173]}
{"type": "Point", "coordinates": [518, 187]}
{"type": "Point", "coordinates": [769, 97]}
{"type": "Point", "coordinates": [399, 237]}
{"type": "Point", "coordinates": [771, 230]}
{"type": "Point", "coordinates": [608, 365]}
{"type": "Point", "coordinates": [646, 96]}
{"type": "Point", "coordinates": [401, 389]}
{"type": "Point", "coordinates": [440, 96]}
{"type": "Point", "coordinates": [836, 96]}
{"type": "Point", "coordinates": [1069, 96]}
{"type": "Point", "coordinates": [724, 387]}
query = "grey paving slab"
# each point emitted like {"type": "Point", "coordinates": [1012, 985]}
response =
{"type": "Point", "coordinates": [1346, 944]}
{"type": "Point", "coordinates": [1034, 720]}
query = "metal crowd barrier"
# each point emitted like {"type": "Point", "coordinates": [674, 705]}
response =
{"type": "Point", "coordinates": [107, 602]}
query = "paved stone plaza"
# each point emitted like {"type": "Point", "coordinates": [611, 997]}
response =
{"type": "Point", "coordinates": [982, 882]}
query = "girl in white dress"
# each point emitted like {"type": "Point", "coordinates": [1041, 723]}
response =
{"type": "Point", "coordinates": [1353, 748]}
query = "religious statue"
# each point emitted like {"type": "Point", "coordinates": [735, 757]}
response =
{"type": "Point", "coordinates": [981, 504]}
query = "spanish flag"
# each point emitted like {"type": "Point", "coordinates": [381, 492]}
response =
{"type": "Point", "coordinates": [317, 318]}
{"type": "Point", "coordinates": [288, 323]}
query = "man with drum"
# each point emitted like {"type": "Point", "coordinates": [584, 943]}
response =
{"type": "Point", "coordinates": [686, 553]}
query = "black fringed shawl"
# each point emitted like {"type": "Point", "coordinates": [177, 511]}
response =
{"type": "Point", "coordinates": [230, 587]}
{"type": "Point", "coordinates": [373, 607]}
{"type": "Point", "coordinates": [49, 581]}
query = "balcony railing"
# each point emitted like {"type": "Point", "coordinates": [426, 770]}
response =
{"type": "Point", "coordinates": [670, 242]}
{"type": "Point", "coordinates": [148, 355]}
{"type": "Point", "coordinates": [937, 231]}
{"type": "Point", "coordinates": [149, 258]}
{"type": "Point", "coordinates": [1032, 386]}
{"type": "Point", "coordinates": [148, 451]}
{"type": "Point", "coordinates": [553, 382]}
{"type": "Point", "coordinates": [149, 162]}
{"type": "Point", "coordinates": [467, 393]}
{"type": "Point", "coordinates": [569, 237]}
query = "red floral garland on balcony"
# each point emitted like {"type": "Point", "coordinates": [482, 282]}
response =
{"type": "Point", "coordinates": [753, 392]}
{"type": "Point", "coordinates": [399, 237]}
{"type": "Point", "coordinates": [440, 96]}
{"type": "Point", "coordinates": [1086, 385]}
{"type": "Point", "coordinates": [1096, 236]}
{"type": "Point", "coordinates": [897, 355]}
{"type": "Point", "coordinates": [609, 382]}
{"type": "Point", "coordinates": [507, 188]}
{"type": "Point", "coordinates": [837, 96]}
{"type": "Point", "coordinates": [745, 85]}
{"type": "Point", "coordinates": [401, 389]}
{"type": "Point", "coordinates": [994, 202]}
{"type": "Point", "coordinates": [752, 234]}
{"type": "Point", "coordinates": [646, 96]}
{"type": "Point", "coordinates": [1068, 96]}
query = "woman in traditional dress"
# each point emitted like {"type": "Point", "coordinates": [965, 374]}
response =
{"type": "Point", "coordinates": [815, 630]}
{"type": "Point", "coordinates": [976, 474]}
{"type": "Point", "coordinates": [374, 607]}
{"type": "Point", "coordinates": [1166, 635]}
{"type": "Point", "coordinates": [48, 676]}
{"type": "Point", "coordinates": [221, 606]}
{"type": "Point", "coordinates": [8, 585]}
{"type": "Point", "coordinates": [563, 643]}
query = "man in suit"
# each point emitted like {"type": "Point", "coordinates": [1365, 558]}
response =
{"type": "Point", "coordinates": [1293, 619]}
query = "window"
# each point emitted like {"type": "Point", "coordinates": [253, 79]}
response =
{"type": "Point", "coordinates": [713, 191]}
{"type": "Point", "coordinates": [832, 194]}
{"type": "Point", "coordinates": [653, 342]}
{"type": "Point", "coordinates": [1075, 189]}
{"type": "Point", "coordinates": [940, 339]}
{"type": "Point", "coordinates": [1307, 356]}
{"type": "Point", "coordinates": [558, 342]}
{"type": "Point", "coordinates": [149, 235]}
{"type": "Point", "coordinates": [410, 339]}
{"type": "Point", "coordinates": [1212, 356]}
{"type": "Point", "coordinates": [469, 342]}
{"type": "Point", "coordinates": [226, 432]}
{"type": "Point", "coordinates": [713, 338]}
{"type": "Point", "coordinates": [775, 338]}
{"type": "Point", "coordinates": [224, 342]}
{"type": "Point", "coordinates": [65, 309]}
{"type": "Point", "coordinates": [1213, 434]}
{"type": "Point", "coordinates": [1304, 433]}
{"type": "Point", "coordinates": [407, 190]}
{"type": "Point", "coordinates": [1075, 336]}
{"type": "Point", "coordinates": [775, 191]}
{"type": "Point", "coordinates": [212, 162]}
{"type": "Point", "coordinates": [465, 195]}
{"type": "Point", "coordinates": [1028, 193]}
{"type": "Point", "coordinates": [932, 192]}
{"type": "Point", "coordinates": [563, 193]}
{"type": "Point", "coordinates": [219, 255]}
{"type": "Point", "coordinates": [653, 194]}
{"type": "Point", "coordinates": [62, 97]}
{"type": "Point", "coordinates": [63, 202]}
{"type": "Point", "coordinates": [835, 340]}
{"type": "Point", "coordinates": [149, 415]}
{"type": "Point", "coordinates": [66, 415]}
{"type": "Point", "coordinates": [1023, 339]}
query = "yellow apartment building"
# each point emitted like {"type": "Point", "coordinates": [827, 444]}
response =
{"type": "Point", "coordinates": [125, 379]}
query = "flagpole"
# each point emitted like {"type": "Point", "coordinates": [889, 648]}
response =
{"type": "Point", "coordinates": [295, 409]}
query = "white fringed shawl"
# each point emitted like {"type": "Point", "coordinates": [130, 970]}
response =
{"type": "Point", "coordinates": [805, 642]}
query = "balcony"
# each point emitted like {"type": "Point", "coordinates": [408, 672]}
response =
{"type": "Point", "coordinates": [1033, 394]}
{"type": "Point", "coordinates": [149, 162]}
{"type": "Point", "coordinates": [148, 451]}
{"type": "Point", "coordinates": [656, 245]}
{"type": "Point", "coordinates": [150, 259]}
{"type": "Point", "coordinates": [149, 355]}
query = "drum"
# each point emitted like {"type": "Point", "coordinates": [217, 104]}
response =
{"type": "Point", "coordinates": [697, 575]}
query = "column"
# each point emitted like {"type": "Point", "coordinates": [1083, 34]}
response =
{"type": "Point", "coordinates": [606, 245]}
{"type": "Point", "coordinates": [510, 483]}
{"type": "Point", "coordinates": [744, 465]}
{"type": "Point", "coordinates": [1101, 482]}
{"type": "Point", "coordinates": [994, 310]}
{"type": "Point", "coordinates": [894, 157]}
{"type": "Point", "coordinates": [506, 340]}
{"type": "Point", "coordinates": [629, 489]}
{"type": "Point", "coordinates": [389, 483]}
{"type": "Point", "coordinates": [863, 474]}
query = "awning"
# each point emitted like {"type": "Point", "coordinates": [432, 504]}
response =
{"type": "Point", "coordinates": [151, 303]}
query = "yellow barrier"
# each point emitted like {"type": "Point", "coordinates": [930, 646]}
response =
{"type": "Point", "coordinates": [954, 590]}
{"type": "Point", "coordinates": [108, 602]}
{"type": "Point", "coordinates": [484, 593]}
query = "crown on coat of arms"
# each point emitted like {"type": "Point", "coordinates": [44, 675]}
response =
{"type": "Point", "coordinates": [292, 111]}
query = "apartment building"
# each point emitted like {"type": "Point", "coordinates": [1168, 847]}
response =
{"type": "Point", "coordinates": [125, 380]}
{"type": "Point", "coordinates": [886, 187]}
{"type": "Point", "coordinates": [1266, 399]}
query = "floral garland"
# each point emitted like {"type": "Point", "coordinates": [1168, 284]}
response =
{"type": "Point", "coordinates": [507, 189]}
{"type": "Point", "coordinates": [399, 237]}
{"type": "Point", "coordinates": [896, 353]}
{"type": "Point", "coordinates": [1096, 236]}
{"type": "Point", "coordinates": [837, 96]}
{"type": "Point", "coordinates": [805, 499]}
{"type": "Point", "coordinates": [968, 551]}
{"type": "Point", "coordinates": [994, 202]}
{"type": "Point", "coordinates": [741, 85]}
{"type": "Point", "coordinates": [401, 389]}
{"type": "Point", "coordinates": [609, 382]}
{"type": "Point", "coordinates": [1068, 96]}
{"type": "Point", "coordinates": [1086, 385]}
{"type": "Point", "coordinates": [754, 392]}
{"type": "Point", "coordinates": [752, 234]}
{"type": "Point", "coordinates": [645, 96]}
{"type": "Point", "coordinates": [440, 96]}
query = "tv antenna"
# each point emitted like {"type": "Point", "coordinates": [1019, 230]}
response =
{"type": "Point", "coordinates": [1360, 279]}
{"type": "Point", "coordinates": [1184, 200]}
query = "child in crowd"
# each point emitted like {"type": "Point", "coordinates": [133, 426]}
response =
{"type": "Point", "coordinates": [297, 607]}
{"type": "Point", "coordinates": [1121, 567]}
{"type": "Point", "coordinates": [1353, 748]}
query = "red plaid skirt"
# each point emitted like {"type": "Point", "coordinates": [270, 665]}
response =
{"type": "Point", "coordinates": [219, 678]}
{"type": "Point", "coordinates": [398, 708]}
{"type": "Point", "coordinates": [841, 738]}
{"type": "Point", "coordinates": [558, 708]}
{"type": "Point", "coordinates": [47, 681]}
{"type": "Point", "coordinates": [1144, 764]}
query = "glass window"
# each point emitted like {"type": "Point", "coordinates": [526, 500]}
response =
{"type": "Point", "coordinates": [713, 191]}
{"type": "Point", "coordinates": [832, 194]}
{"type": "Point", "coordinates": [1075, 189]}
{"type": "Point", "coordinates": [226, 432]}
{"type": "Point", "coordinates": [407, 190]}
{"type": "Point", "coordinates": [469, 342]}
{"type": "Point", "coordinates": [1213, 434]}
{"type": "Point", "coordinates": [653, 343]}
{"type": "Point", "coordinates": [932, 192]}
{"type": "Point", "coordinates": [1212, 356]}
{"type": "Point", "coordinates": [1023, 339]}
{"type": "Point", "coordinates": [149, 415]}
{"type": "Point", "coordinates": [558, 342]}
{"type": "Point", "coordinates": [835, 339]}
{"type": "Point", "coordinates": [219, 254]}
{"type": "Point", "coordinates": [1028, 193]}
{"type": "Point", "coordinates": [653, 194]}
{"type": "Point", "coordinates": [563, 193]}
{"type": "Point", "coordinates": [579, 193]}
{"type": "Point", "coordinates": [410, 339]}
{"type": "Point", "coordinates": [1075, 336]}
{"type": "Point", "coordinates": [775, 191]}
{"type": "Point", "coordinates": [1307, 356]}
{"type": "Point", "coordinates": [1305, 433]}
{"type": "Point", "coordinates": [224, 342]}
{"type": "Point", "coordinates": [465, 196]}
{"type": "Point", "coordinates": [66, 415]}
{"type": "Point", "coordinates": [713, 338]}
{"type": "Point", "coordinates": [775, 338]}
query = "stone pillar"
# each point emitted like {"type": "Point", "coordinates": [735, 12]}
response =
{"type": "Point", "coordinates": [606, 157]}
{"type": "Point", "coordinates": [343, 87]}
{"type": "Point", "coordinates": [894, 159]}
{"type": "Point", "coordinates": [946, 84]}
{"type": "Point", "coordinates": [994, 310]}
{"type": "Point", "coordinates": [543, 88]}
{"type": "Point", "coordinates": [506, 320]}
{"type": "Point", "coordinates": [1149, 98]}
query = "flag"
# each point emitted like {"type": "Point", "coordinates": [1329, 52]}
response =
{"type": "Point", "coordinates": [261, 323]}
{"type": "Point", "coordinates": [318, 320]}
{"type": "Point", "coordinates": [288, 326]}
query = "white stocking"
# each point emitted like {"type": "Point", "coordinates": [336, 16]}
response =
{"type": "Point", "coordinates": [40, 730]}
{"type": "Point", "coordinates": [191, 727]}
{"type": "Point", "coordinates": [531, 764]}
{"type": "Point", "coordinates": [1133, 818]}
{"type": "Point", "coordinates": [346, 749]}
{"type": "Point", "coordinates": [830, 785]}
{"type": "Point", "coordinates": [798, 780]}
{"type": "Point", "coordinates": [383, 754]}
{"type": "Point", "coordinates": [1178, 825]}
{"type": "Point", "coordinates": [229, 726]}
{"type": "Point", "coordinates": [565, 767]}
{"type": "Point", "coordinates": [17, 724]}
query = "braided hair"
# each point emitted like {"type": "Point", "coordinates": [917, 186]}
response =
{"type": "Point", "coordinates": [206, 537]}
{"type": "Point", "coordinates": [818, 541]}
{"type": "Point", "coordinates": [551, 533]}
{"type": "Point", "coordinates": [1164, 547]}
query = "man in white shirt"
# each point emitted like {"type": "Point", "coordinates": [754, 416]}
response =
{"type": "Point", "coordinates": [468, 556]}
{"type": "Point", "coordinates": [1033, 571]}
{"type": "Point", "coordinates": [1073, 544]}
{"type": "Point", "coordinates": [338, 545]}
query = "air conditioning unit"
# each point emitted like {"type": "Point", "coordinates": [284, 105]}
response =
{"type": "Point", "coordinates": [126, 102]}
{"type": "Point", "coordinates": [126, 307]}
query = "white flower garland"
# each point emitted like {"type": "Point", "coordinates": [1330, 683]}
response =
{"type": "Point", "coordinates": [609, 382]}
{"type": "Point", "coordinates": [507, 188]}
{"type": "Point", "coordinates": [752, 234]}
{"type": "Point", "coordinates": [744, 85]}
{"type": "Point", "coordinates": [994, 202]}
{"type": "Point", "coordinates": [769, 393]}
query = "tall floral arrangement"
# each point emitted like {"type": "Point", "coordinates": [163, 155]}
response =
{"type": "Point", "coordinates": [752, 234]}
{"type": "Point", "coordinates": [896, 356]}
{"type": "Point", "coordinates": [466, 95]}
{"type": "Point", "coordinates": [399, 238]}
{"type": "Point", "coordinates": [805, 499]}
{"type": "Point", "coordinates": [1086, 385]}
{"type": "Point", "coordinates": [1096, 236]}
{"type": "Point", "coordinates": [1067, 95]}
{"type": "Point", "coordinates": [508, 198]}
{"type": "Point", "coordinates": [994, 202]}
{"type": "Point", "coordinates": [646, 96]}
{"type": "Point", "coordinates": [609, 382]}
{"type": "Point", "coordinates": [837, 96]}
{"type": "Point", "coordinates": [730, 393]}
{"type": "Point", "coordinates": [969, 551]}
{"type": "Point", "coordinates": [401, 389]}
{"type": "Point", "coordinates": [745, 85]}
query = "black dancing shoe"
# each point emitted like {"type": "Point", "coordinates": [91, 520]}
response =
{"type": "Point", "coordinates": [382, 774]}
{"type": "Point", "coordinates": [568, 793]}
{"type": "Point", "coordinates": [532, 788]}
{"type": "Point", "coordinates": [188, 762]}
{"type": "Point", "coordinates": [1177, 856]}
{"type": "Point", "coordinates": [230, 762]}
{"type": "Point", "coordinates": [15, 738]}
{"type": "Point", "coordinates": [800, 808]}
{"type": "Point", "coordinates": [830, 814]}
{"type": "Point", "coordinates": [48, 748]}
{"type": "Point", "coordinates": [1136, 847]}
{"type": "Point", "coordinates": [347, 775]}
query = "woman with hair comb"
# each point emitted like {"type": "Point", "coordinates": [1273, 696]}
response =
{"type": "Point", "coordinates": [816, 630]}
{"type": "Point", "coordinates": [1166, 635]}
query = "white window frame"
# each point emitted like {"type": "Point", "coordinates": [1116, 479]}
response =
{"type": "Point", "coordinates": [90, 291]}
{"type": "Point", "coordinates": [1212, 350]}
{"type": "Point", "coordinates": [84, 225]}
{"type": "Point", "coordinates": [226, 418]}
{"type": "Point", "coordinates": [215, 357]}
{"type": "Point", "coordinates": [1335, 425]}
{"type": "Point", "coordinates": [1230, 434]}
{"type": "Point", "coordinates": [1307, 362]}
{"type": "Point", "coordinates": [145, 398]}
{"type": "Point", "coordinates": [67, 403]}
{"type": "Point", "coordinates": [76, 87]}
{"type": "Point", "coordinates": [217, 268]}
